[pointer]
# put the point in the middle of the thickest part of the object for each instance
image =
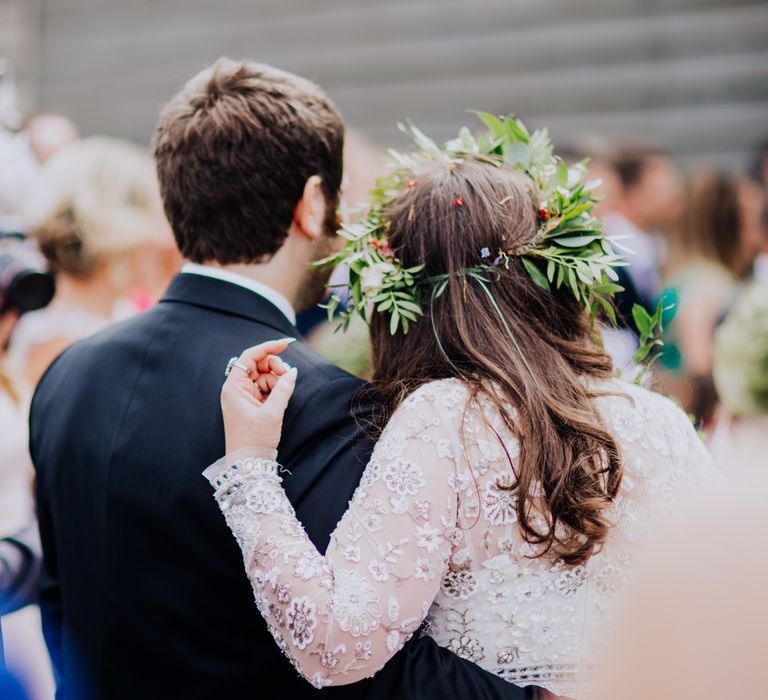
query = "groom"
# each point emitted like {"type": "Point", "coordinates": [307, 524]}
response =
{"type": "Point", "coordinates": [144, 591]}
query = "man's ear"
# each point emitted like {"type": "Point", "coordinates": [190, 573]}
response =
{"type": "Point", "coordinates": [309, 216]}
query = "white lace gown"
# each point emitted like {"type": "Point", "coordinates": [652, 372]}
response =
{"type": "Point", "coordinates": [431, 533]}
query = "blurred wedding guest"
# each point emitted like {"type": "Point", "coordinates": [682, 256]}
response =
{"type": "Point", "coordinates": [621, 341]}
{"type": "Point", "coordinates": [101, 211]}
{"type": "Point", "coordinates": [753, 202]}
{"type": "Point", "coordinates": [648, 205]}
{"type": "Point", "coordinates": [16, 505]}
{"type": "Point", "coordinates": [695, 620]}
{"type": "Point", "coordinates": [48, 134]}
{"type": "Point", "coordinates": [759, 166]}
{"type": "Point", "coordinates": [18, 174]}
{"type": "Point", "coordinates": [740, 439]}
{"type": "Point", "coordinates": [709, 258]}
{"type": "Point", "coordinates": [758, 174]}
{"type": "Point", "coordinates": [25, 650]}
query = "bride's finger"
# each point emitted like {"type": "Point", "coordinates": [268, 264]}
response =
{"type": "Point", "coordinates": [281, 393]}
{"type": "Point", "coordinates": [277, 365]}
{"type": "Point", "coordinates": [266, 382]}
{"type": "Point", "coordinates": [258, 394]}
{"type": "Point", "coordinates": [272, 364]}
{"type": "Point", "coordinates": [239, 380]}
{"type": "Point", "coordinates": [252, 356]}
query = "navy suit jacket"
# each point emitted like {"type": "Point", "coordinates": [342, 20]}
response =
{"type": "Point", "coordinates": [144, 593]}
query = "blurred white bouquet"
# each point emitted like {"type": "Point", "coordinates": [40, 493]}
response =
{"type": "Point", "coordinates": [741, 354]}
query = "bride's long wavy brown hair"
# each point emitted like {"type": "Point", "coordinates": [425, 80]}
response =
{"type": "Point", "coordinates": [450, 215]}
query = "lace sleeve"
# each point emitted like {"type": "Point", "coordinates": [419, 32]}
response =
{"type": "Point", "coordinates": [342, 616]}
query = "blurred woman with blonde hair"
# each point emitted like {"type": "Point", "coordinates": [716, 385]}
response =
{"type": "Point", "coordinates": [25, 652]}
{"type": "Point", "coordinates": [710, 258]}
{"type": "Point", "coordinates": [101, 215]}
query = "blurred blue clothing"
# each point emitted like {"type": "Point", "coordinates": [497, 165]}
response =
{"type": "Point", "coordinates": [20, 561]}
{"type": "Point", "coordinates": [19, 574]}
{"type": "Point", "coordinates": [10, 688]}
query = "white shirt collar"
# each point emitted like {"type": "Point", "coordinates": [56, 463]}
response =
{"type": "Point", "coordinates": [263, 290]}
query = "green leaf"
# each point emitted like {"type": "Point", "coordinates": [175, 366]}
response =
{"type": "Point", "coordinates": [641, 353]}
{"type": "Point", "coordinates": [551, 270]}
{"type": "Point", "coordinates": [573, 226]}
{"type": "Point", "coordinates": [440, 288]}
{"type": "Point", "coordinates": [423, 141]}
{"type": "Point", "coordinates": [393, 322]}
{"type": "Point", "coordinates": [494, 124]}
{"type": "Point", "coordinates": [608, 308]}
{"type": "Point", "coordinates": [536, 274]}
{"type": "Point", "coordinates": [516, 131]}
{"type": "Point", "coordinates": [410, 306]}
{"type": "Point", "coordinates": [642, 320]}
{"type": "Point", "coordinates": [572, 283]}
{"type": "Point", "coordinates": [561, 175]}
{"type": "Point", "coordinates": [583, 272]}
{"type": "Point", "coordinates": [608, 288]}
{"type": "Point", "coordinates": [357, 293]}
{"type": "Point", "coordinates": [575, 241]}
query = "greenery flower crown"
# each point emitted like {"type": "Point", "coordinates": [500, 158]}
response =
{"type": "Point", "coordinates": [569, 248]}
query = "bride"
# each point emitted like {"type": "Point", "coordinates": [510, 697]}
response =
{"type": "Point", "coordinates": [515, 474]}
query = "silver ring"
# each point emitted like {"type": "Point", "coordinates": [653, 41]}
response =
{"type": "Point", "coordinates": [233, 362]}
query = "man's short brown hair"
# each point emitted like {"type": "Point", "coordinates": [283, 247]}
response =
{"type": "Point", "coordinates": [234, 150]}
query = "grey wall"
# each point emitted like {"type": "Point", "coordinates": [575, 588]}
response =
{"type": "Point", "coordinates": [20, 25]}
{"type": "Point", "coordinates": [689, 75]}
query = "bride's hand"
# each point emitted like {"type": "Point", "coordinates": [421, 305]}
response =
{"type": "Point", "coordinates": [255, 395]}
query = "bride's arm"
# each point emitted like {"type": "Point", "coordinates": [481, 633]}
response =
{"type": "Point", "coordinates": [341, 617]}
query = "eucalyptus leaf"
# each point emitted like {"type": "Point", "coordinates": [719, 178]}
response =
{"type": "Point", "coordinates": [536, 274]}
{"type": "Point", "coordinates": [409, 306]}
{"type": "Point", "coordinates": [393, 322]}
{"type": "Point", "coordinates": [551, 270]}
